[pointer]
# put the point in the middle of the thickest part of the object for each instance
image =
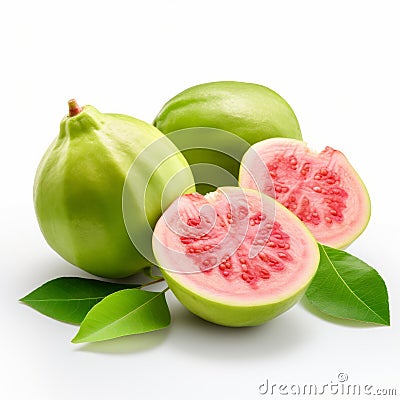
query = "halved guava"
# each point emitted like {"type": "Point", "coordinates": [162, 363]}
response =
{"type": "Point", "coordinates": [234, 257]}
{"type": "Point", "coordinates": [322, 189]}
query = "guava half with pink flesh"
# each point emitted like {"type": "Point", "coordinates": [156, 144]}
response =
{"type": "Point", "coordinates": [234, 257]}
{"type": "Point", "coordinates": [322, 189]}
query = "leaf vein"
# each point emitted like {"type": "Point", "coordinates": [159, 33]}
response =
{"type": "Point", "coordinates": [349, 288]}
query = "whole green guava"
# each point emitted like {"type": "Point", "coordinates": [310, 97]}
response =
{"type": "Point", "coordinates": [250, 112]}
{"type": "Point", "coordinates": [80, 181]}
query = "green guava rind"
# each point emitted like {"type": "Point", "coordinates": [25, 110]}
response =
{"type": "Point", "coordinates": [227, 314]}
{"type": "Point", "coordinates": [253, 112]}
{"type": "Point", "coordinates": [250, 111]}
{"type": "Point", "coordinates": [78, 190]}
{"type": "Point", "coordinates": [233, 314]}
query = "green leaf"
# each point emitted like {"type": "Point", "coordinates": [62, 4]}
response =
{"type": "Point", "coordinates": [126, 312]}
{"type": "Point", "coordinates": [69, 299]}
{"type": "Point", "coordinates": [346, 287]}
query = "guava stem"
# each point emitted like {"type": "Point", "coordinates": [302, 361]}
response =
{"type": "Point", "coordinates": [152, 282]}
{"type": "Point", "coordinates": [74, 108]}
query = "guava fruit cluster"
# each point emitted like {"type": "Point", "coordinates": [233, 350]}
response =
{"type": "Point", "coordinates": [237, 256]}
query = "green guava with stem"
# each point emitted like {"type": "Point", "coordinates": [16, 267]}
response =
{"type": "Point", "coordinates": [79, 184]}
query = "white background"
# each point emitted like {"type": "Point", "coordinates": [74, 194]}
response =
{"type": "Point", "coordinates": [335, 62]}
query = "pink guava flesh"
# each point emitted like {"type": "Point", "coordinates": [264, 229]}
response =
{"type": "Point", "coordinates": [322, 189]}
{"type": "Point", "coordinates": [234, 246]}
